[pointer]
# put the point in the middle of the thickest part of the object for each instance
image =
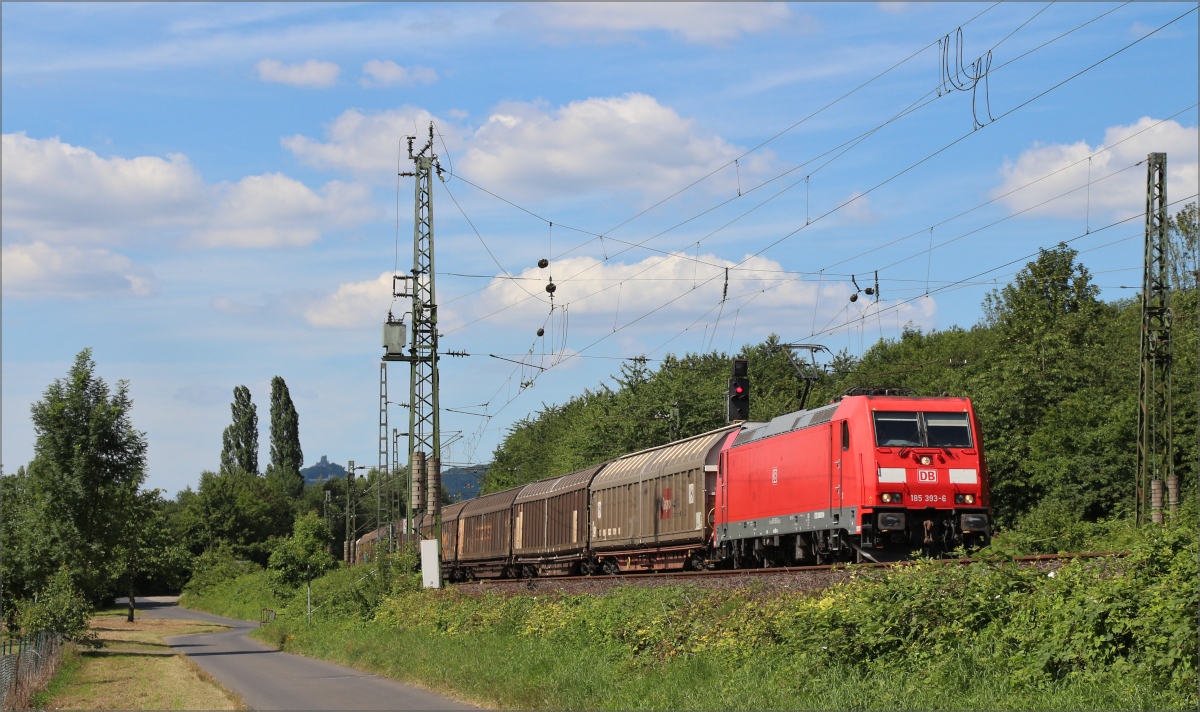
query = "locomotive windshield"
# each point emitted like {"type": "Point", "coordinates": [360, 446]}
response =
{"type": "Point", "coordinates": [907, 429]}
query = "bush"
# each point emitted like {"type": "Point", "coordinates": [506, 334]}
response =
{"type": "Point", "coordinates": [1055, 526]}
{"type": "Point", "coordinates": [358, 592]}
{"type": "Point", "coordinates": [1124, 619]}
{"type": "Point", "coordinates": [215, 566]}
{"type": "Point", "coordinates": [60, 608]}
{"type": "Point", "coordinates": [302, 555]}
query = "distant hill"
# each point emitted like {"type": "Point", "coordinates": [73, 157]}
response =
{"type": "Point", "coordinates": [463, 482]}
{"type": "Point", "coordinates": [323, 470]}
{"type": "Point", "coordinates": [458, 482]}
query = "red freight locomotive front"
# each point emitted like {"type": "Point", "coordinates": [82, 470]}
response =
{"type": "Point", "coordinates": [869, 477]}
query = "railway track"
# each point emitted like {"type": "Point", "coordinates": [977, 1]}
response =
{"type": "Point", "coordinates": [813, 574]}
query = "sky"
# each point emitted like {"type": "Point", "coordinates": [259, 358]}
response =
{"type": "Point", "coordinates": [207, 195]}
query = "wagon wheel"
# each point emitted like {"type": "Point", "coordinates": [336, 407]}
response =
{"type": "Point", "coordinates": [587, 567]}
{"type": "Point", "coordinates": [610, 567]}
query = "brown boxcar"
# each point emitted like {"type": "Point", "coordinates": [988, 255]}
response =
{"type": "Point", "coordinates": [652, 509]}
{"type": "Point", "coordinates": [550, 531]}
{"type": "Point", "coordinates": [450, 518]}
{"type": "Point", "coordinates": [484, 535]}
{"type": "Point", "coordinates": [367, 544]}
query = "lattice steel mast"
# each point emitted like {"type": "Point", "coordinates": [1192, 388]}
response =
{"type": "Point", "coordinates": [424, 417]}
{"type": "Point", "coordinates": [1156, 432]}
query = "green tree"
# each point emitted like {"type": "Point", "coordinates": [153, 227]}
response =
{"type": "Point", "coordinates": [147, 553]}
{"type": "Point", "coordinates": [239, 449]}
{"type": "Point", "coordinates": [1185, 258]}
{"type": "Point", "coordinates": [287, 458]}
{"type": "Point", "coordinates": [304, 553]}
{"type": "Point", "coordinates": [73, 499]}
{"type": "Point", "coordinates": [240, 509]}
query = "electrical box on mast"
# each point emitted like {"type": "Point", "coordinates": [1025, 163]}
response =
{"type": "Point", "coordinates": [395, 338]}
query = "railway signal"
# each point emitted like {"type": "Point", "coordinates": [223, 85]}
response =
{"type": "Point", "coordinates": [738, 399]}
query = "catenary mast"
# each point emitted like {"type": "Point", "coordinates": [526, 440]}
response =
{"type": "Point", "coordinates": [424, 418]}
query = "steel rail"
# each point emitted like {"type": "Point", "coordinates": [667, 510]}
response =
{"type": "Point", "coordinates": [772, 571]}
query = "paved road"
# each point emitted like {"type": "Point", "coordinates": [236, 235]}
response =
{"type": "Point", "coordinates": [267, 679]}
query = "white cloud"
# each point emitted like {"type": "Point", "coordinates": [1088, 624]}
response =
{"type": "Point", "coordinates": [858, 210]}
{"type": "Point", "coordinates": [309, 75]}
{"type": "Point", "coordinates": [366, 143]}
{"type": "Point", "coordinates": [273, 210]}
{"type": "Point", "coordinates": [621, 144]}
{"type": "Point", "coordinates": [42, 270]}
{"type": "Point", "coordinates": [56, 192]}
{"type": "Point", "coordinates": [762, 297]}
{"type": "Point", "coordinates": [52, 186]}
{"type": "Point", "coordinates": [627, 143]}
{"type": "Point", "coordinates": [590, 288]}
{"type": "Point", "coordinates": [382, 73]}
{"type": "Point", "coordinates": [1117, 197]}
{"type": "Point", "coordinates": [353, 305]}
{"type": "Point", "coordinates": [701, 22]}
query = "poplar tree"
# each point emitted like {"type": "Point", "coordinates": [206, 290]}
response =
{"type": "Point", "coordinates": [286, 455]}
{"type": "Point", "coordinates": [239, 449]}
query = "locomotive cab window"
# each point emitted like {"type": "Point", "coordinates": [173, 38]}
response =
{"type": "Point", "coordinates": [906, 429]}
{"type": "Point", "coordinates": [896, 429]}
{"type": "Point", "coordinates": [948, 429]}
{"type": "Point", "coordinates": [845, 435]}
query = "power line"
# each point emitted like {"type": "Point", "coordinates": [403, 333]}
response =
{"type": "Point", "coordinates": [1026, 257]}
{"type": "Point", "coordinates": [939, 151]}
{"type": "Point", "coordinates": [853, 141]}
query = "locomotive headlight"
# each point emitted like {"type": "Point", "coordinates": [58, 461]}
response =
{"type": "Point", "coordinates": [891, 497]}
{"type": "Point", "coordinates": [926, 460]}
{"type": "Point", "coordinates": [964, 499]}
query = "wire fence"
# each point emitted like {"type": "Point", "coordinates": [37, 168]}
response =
{"type": "Point", "coordinates": [26, 663]}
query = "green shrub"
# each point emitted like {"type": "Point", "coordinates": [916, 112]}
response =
{"type": "Point", "coordinates": [60, 608]}
{"type": "Point", "coordinates": [304, 554]}
{"type": "Point", "coordinates": [1098, 619]}
{"type": "Point", "coordinates": [215, 566]}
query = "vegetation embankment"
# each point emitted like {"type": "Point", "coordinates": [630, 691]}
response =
{"type": "Point", "coordinates": [129, 666]}
{"type": "Point", "coordinates": [1107, 633]}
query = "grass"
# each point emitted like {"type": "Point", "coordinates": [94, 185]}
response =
{"type": "Point", "coordinates": [1108, 633]}
{"type": "Point", "coordinates": [134, 669]}
{"type": "Point", "coordinates": [517, 672]}
{"type": "Point", "coordinates": [243, 597]}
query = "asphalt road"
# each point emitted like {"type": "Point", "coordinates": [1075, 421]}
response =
{"type": "Point", "coordinates": [267, 679]}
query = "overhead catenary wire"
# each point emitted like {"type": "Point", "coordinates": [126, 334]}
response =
{"type": "Point", "coordinates": [849, 143]}
{"type": "Point", "coordinates": [944, 148]}
{"type": "Point", "coordinates": [936, 153]}
{"type": "Point", "coordinates": [607, 233]}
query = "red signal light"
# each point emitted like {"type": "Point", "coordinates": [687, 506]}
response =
{"type": "Point", "coordinates": [738, 389]}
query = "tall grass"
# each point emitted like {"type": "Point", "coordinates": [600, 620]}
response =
{"type": "Point", "coordinates": [1108, 633]}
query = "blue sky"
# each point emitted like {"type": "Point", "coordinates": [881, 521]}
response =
{"type": "Point", "coordinates": [206, 194]}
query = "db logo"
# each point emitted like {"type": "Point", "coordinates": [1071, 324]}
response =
{"type": "Point", "coordinates": [927, 476]}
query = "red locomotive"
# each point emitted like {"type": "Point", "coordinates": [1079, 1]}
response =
{"type": "Point", "coordinates": [869, 477]}
{"type": "Point", "coordinates": [865, 477]}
